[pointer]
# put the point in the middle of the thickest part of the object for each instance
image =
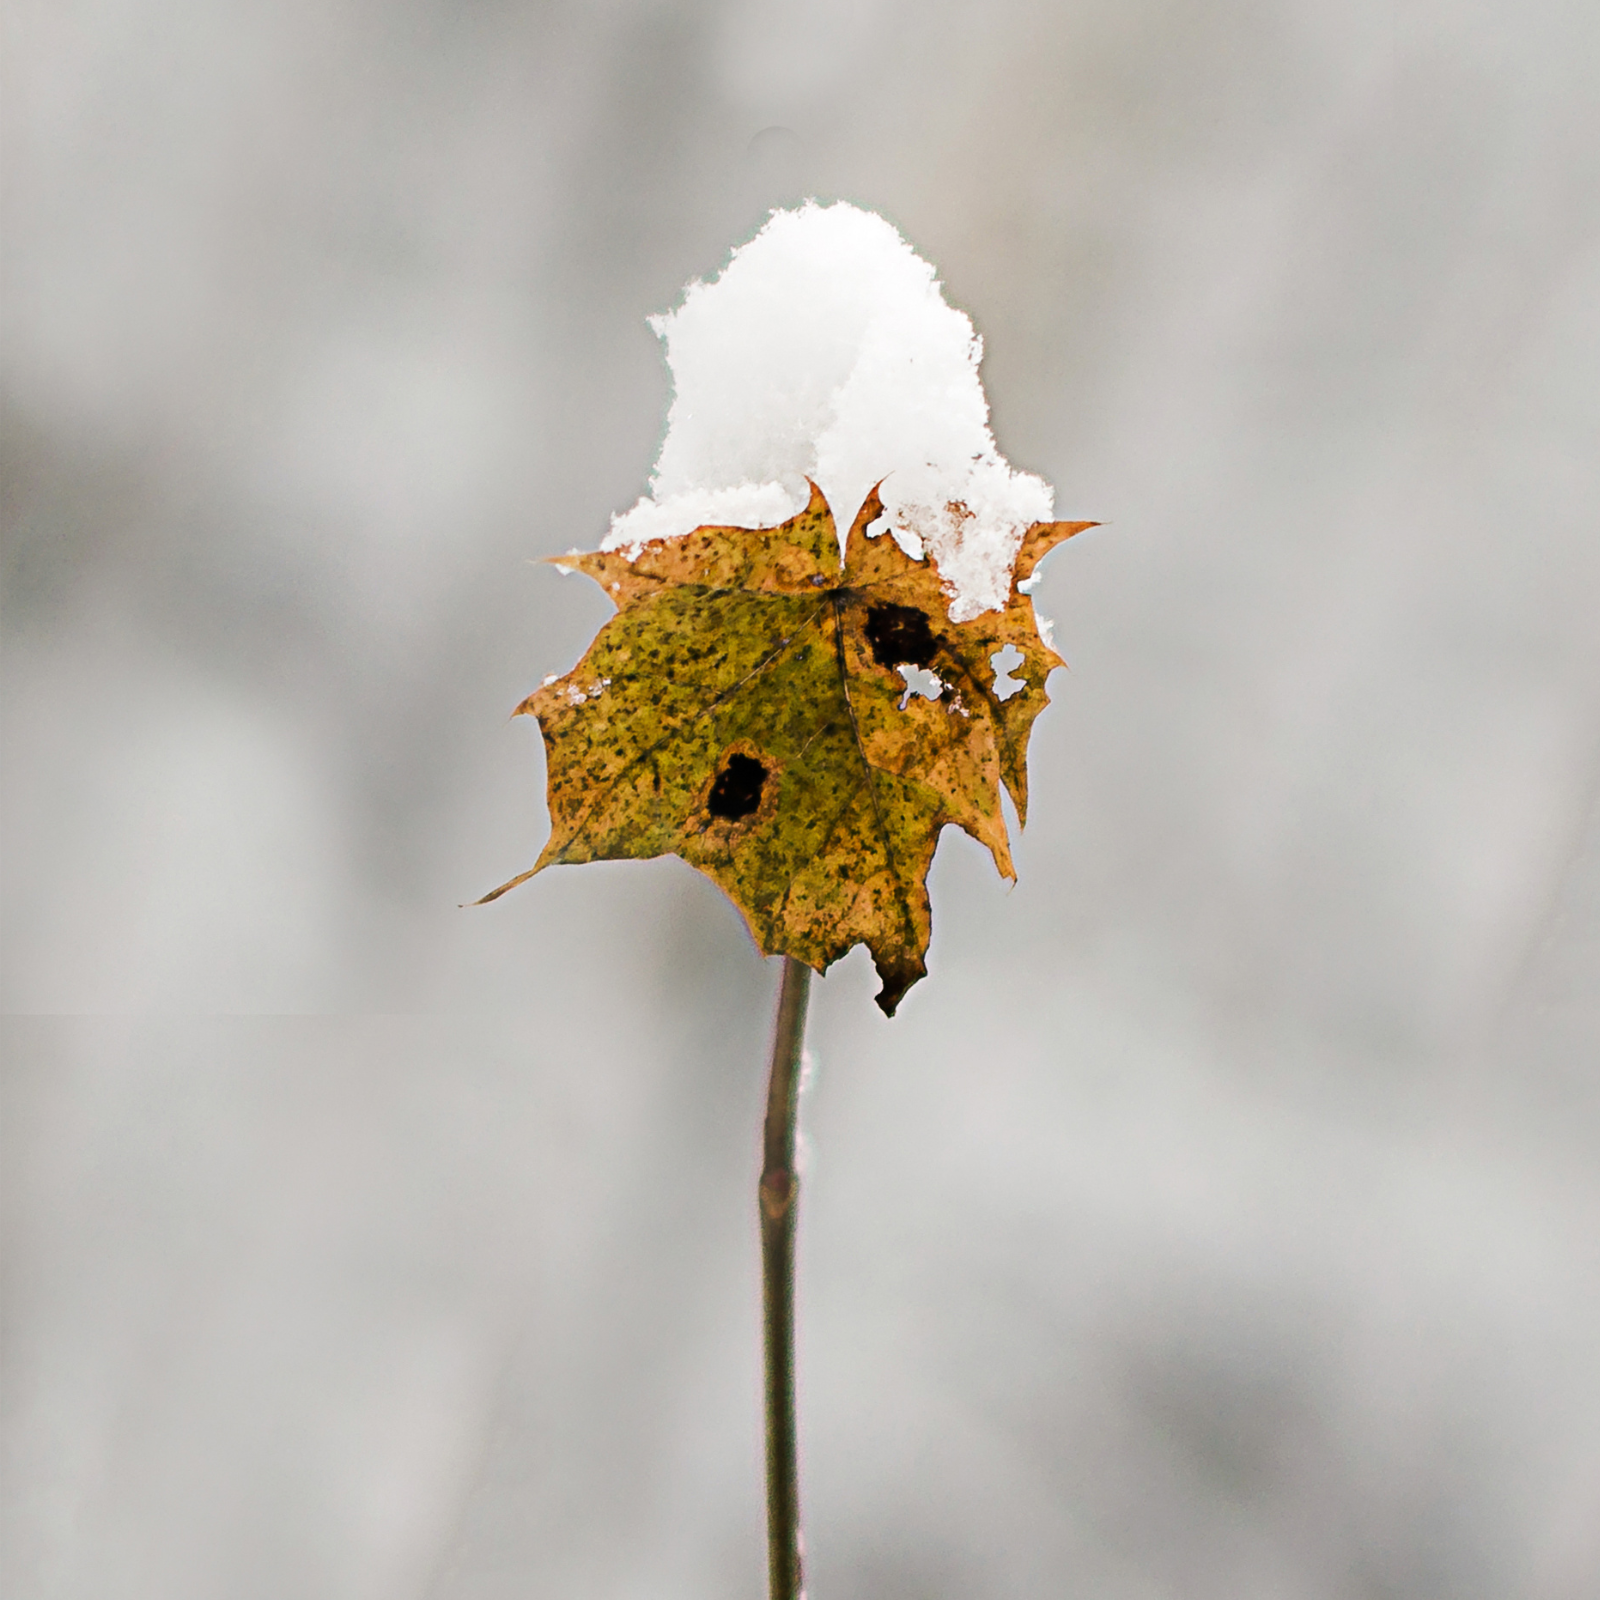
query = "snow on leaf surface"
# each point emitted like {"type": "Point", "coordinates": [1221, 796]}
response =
{"type": "Point", "coordinates": [826, 352]}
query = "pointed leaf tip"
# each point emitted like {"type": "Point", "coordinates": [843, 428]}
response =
{"type": "Point", "coordinates": [1040, 540]}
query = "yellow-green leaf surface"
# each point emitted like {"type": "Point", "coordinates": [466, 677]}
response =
{"type": "Point", "coordinates": [745, 710]}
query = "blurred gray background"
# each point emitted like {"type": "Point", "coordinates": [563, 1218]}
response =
{"type": "Point", "coordinates": [1220, 1220]}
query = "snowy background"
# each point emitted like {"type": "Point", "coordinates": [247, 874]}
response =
{"type": "Point", "coordinates": [1219, 1221]}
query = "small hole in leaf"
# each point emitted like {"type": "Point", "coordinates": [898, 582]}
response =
{"type": "Point", "coordinates": [1003, 660]}
{"type": "Point", "coordinates": [737, 790]}
{"type": "Point", "coordinates": [918, 680]}
{"type": "Point", "coordinates": [900, 634]}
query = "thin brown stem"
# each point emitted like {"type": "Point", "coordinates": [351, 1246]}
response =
{"type": "Point", "coordinates": [779, 1196]}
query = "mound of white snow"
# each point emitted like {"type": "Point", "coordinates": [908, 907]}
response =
{"type": "Point", "coordinates": [825, 350]}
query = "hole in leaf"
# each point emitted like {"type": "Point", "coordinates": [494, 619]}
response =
{"type": "Point", "coordinates": [1003, 660]}
{"type": "Point", "coordinates": [737, 789]}
{"type": "Point", "coordinates": [900, 634]}
{"type": "Point", "coordinates": [918, 680]}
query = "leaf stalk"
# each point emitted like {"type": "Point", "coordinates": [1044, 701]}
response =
{"type": "Point", "coordinates": [778, 1196]}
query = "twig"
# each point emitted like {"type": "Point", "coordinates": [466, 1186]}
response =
{"type": "Point", "coordinates": [779, 1196]}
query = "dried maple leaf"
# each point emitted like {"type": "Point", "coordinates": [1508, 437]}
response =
{"type": "Point", "coordinates": [745, 710]}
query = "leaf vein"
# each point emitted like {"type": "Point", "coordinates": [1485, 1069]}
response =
{"type": "Point", "coordinates": [604, 793]}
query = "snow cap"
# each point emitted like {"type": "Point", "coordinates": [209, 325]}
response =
{"type": "Point", "coordinates": [826, 350]}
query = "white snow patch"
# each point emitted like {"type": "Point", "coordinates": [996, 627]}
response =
{"type": "Point", "coordinates": [825, 350]}
{"type": "Point", "coordinates": [578, 697]}
{"type": "Point", "coordinates": [740, 505]}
